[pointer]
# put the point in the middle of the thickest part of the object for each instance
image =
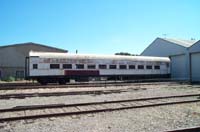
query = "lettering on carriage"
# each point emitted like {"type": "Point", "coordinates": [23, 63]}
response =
{"type": "Point", "coordinates": [65, 60]}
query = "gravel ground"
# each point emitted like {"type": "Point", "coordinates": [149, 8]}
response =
{"type": "Point", "coordinates": [135, 120]}
{"type": "Point", "coordinates": [68, 89]}
{"type": "Point", "coordinates": [140, 92]}
{"type": "Point", "coordinates": [45, 90]}
{"type": "Point", "coordinates": [155, 119]}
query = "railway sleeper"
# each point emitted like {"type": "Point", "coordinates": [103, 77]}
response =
{"type": "Point", "coordinates": [98, 109]}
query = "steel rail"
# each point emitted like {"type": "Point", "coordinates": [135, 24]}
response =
{"type": "Point", "coordinates": [74, 85]}
{"type": "Point", "coordinates": [23, 108]}
{"type": "Point", "coordinates": [47, 94]}
{"type": "Point", "coordinates": [64, 86]}
{"type": "Point", "coordinates": [191, 129]}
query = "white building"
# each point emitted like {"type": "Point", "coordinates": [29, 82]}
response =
{"type": "Point", "coordinates": [184, 55]}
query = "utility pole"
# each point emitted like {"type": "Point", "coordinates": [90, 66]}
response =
{"type": "Point", "coordinates": [164, 35]}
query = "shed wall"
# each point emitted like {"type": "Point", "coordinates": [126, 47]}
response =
{"type": "Point", "coordinates": [12, 58]}
{"type": "Point", "coordinates": [194, 51]}
{"type": "Point", "coordinates": [195, 67]}
{"type": "Point", "coordinates": [195, 48]}
{"type": "Point", "coordinates": [179, 67]}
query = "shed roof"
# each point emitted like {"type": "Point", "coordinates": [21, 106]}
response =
{"type": "Point", "coordinates": [181, 42]}
{"type": "Point", "coordinates": [31, 43]}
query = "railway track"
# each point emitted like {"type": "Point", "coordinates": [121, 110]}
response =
{"type": "Point", "coordinates": [55, 110]}
{"type": "Point", "coordinates": [22, 95]}
{"type": "Point", "coordinates": [79, 85]}
{"type": "Point", "coordinates": [192, 129]}
{"type": "Point", "coordinates": [133, 81]}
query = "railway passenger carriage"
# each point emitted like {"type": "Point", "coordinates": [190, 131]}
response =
{"type": "Point", "coordinates": [48, 67]}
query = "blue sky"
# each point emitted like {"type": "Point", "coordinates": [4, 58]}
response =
{"type": "Point", "coordinates": [98, 26]}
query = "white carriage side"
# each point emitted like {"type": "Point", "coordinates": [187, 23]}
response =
{"type": "Point", "coordinates": [43, 64]}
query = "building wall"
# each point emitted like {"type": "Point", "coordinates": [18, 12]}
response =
{"type": "Point", "coordinates": [12, 58]}
{"type": "Point", "coordinates": [195, 48]}
{"type": "Point", "coordinates": [0, 73]}
{"type": "Point", "coordinates": [12, 72]}
{"type": "Point", "coordinates": [195, 70]}
{"type": "Point", "coordinates": [194, 52]}
{"type": "Point", "coordinates": [163, 48]}
{"type": "Point", "coordinates": [179, 70]}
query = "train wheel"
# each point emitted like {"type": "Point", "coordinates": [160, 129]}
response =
{"type": "Point", "coordinates": [62, 81]}
{"type": "Point", "coordinates": [42, 81]}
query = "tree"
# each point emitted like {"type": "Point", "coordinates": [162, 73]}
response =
{"type": "Point", "coordinates": [125, 53]}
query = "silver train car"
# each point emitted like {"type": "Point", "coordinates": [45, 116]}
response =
{"type": "Point", "coordinates": [49, 67]}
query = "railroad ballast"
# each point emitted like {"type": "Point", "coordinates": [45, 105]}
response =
{"type": "Point", "coordinates": [46, 67]}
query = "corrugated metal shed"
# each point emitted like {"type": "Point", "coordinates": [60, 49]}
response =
{"type": "Point", "coordinates": [166, 47]}
{"type": "Point", "coordinates": [12, 57]}
{"type": "Point", "coordinates": [32, 46]}
{"type": "Point", "coordinates": [184, 55]}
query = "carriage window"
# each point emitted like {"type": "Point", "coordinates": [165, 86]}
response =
{"type": "Point", "coordinates": [67, 66]}
{"type": "Point", "coordinates": [35, 66]}
{"type": "Point", "coordinates": [157, 67]}
{"type": "Point", "coordinates": [140, 67]}
{"type": "Point", "coordinates": [79, 66]}
{"type": "Point", "coordinates": [54, 66]}
{"type": "Point", "coordinates": [148, 67]}
{"type": "Point", "coordinates": [102, 66]}
{"type": "Point", "coordinates": [112, 66]}
{"type": "Point", "coordinates": [131, 66]}
{"type": "Point", "coordinates": [91, 66]}
{"type": "Point", "coordinates": [122, 67]}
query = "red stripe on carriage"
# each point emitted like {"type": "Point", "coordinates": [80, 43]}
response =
{"type": "Point", "coordinates": [81, 72]}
